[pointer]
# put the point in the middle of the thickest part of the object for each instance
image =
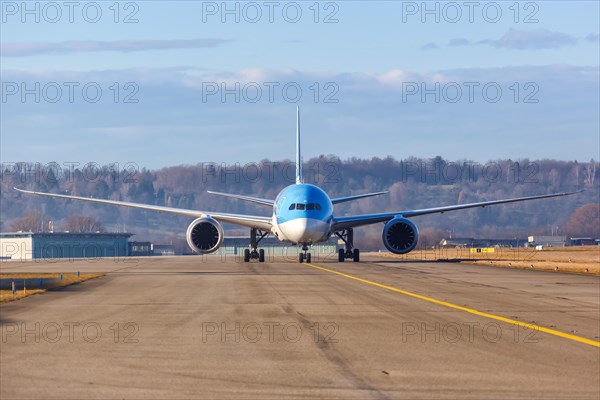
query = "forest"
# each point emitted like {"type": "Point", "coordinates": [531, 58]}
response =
{"type": "Point", "coordinates": [412, 183]}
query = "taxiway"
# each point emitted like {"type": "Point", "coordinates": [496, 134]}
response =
{"type": "Point", "coordinates": [191, 327]}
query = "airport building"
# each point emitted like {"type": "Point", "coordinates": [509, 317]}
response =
{"type": "Point", "coordinates": [144, 249]}
{"type": "Point", "coordinates": [585, 242]}
{"type": "Point", "coordinates": [28, 245]}
{"type": "Point", "coordinates": [235, 245]}
{"type": "Point", "coordinates": [531, 241]}
{"type": "Point", "coordinates": [481, 243]}
{"type": "Point", "coordinates": [547, 241]}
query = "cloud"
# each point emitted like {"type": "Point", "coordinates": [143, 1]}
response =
{"type": "Point", "coordinates": [429, 46]}
{"type": "Point", "coordinates": [458, 42]}
{"type": "Point", "coordinates": [24, 49]}
{"type": "Point", "coordinates": [593, 37]}
{"type": "Point", "coordinates": [530, 40]}
{"type": "Point", "coordinates": [373, 112]}
{"type": "Point", "coordinates": [525, 40]}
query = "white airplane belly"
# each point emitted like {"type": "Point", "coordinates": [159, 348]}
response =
{"type": "Point", "coordinates": [301, 230]}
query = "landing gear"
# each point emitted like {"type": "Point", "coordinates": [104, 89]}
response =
{"type": "Point", "coordinates": [304, 255]}
{"type": "Point", "coordinates": [347, 235]}
{"type": "Point", "coordinates": [255, 237]}
{"type": "Point", "coordinates": [356, 255]}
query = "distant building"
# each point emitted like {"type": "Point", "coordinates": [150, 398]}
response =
{"type": "Point", "coordinates": [547, 241]}
{"type": "Point", "coordinates": [481, 243]}
{"type": "Point", "coordinates": [28, 245]}
{"type": "Point", "coordinates": [142, 249]}
{"type": "Point", "coordinates": [584, 241]}
{"type": "Point", "coordinates": [458, 242]}
{"type": "Point", "coordinates": [163, 250]}
{"type": "Point", "coordinates": [137, 249]}
{"type": "Point", "coordinates": [235, 245]}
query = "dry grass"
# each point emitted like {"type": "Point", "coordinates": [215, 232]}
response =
{"type": "Point", "coordinates": [7, 295]}
{"type": "Point", "coordinates": [580, 259]}
{"type": "Point", "coordinates": [68, 279]}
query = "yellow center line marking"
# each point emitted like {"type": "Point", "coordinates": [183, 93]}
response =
{"type": "Point", "coordinates": [465, 309]}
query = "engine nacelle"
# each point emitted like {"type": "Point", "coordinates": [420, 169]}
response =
{"type": "Point", "coordinates": [205, 235]}
{"type": "Point", "coordinates": [400, 235]}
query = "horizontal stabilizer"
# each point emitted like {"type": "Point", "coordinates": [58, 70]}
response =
{"type": "Point", "coordinates": [265, 202]}
{"type": "Point", "coordinates": [359, 196]}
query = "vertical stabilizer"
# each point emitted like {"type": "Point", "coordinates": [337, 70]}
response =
{"type": "Point", "coordinates": [298, 156]}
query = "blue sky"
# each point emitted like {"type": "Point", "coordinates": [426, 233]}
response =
{"type": "Point", "coordinates": [180, 81]}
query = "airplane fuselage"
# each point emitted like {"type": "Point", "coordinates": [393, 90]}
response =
{"type": "Point", "coordinates": [302, 213]}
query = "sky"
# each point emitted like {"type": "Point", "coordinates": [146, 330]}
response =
{"type": "Point", "coordinates": [162, 83]}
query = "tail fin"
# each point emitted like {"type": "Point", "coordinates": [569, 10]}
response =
{"type": "Point", "coordinates": [298, 156]}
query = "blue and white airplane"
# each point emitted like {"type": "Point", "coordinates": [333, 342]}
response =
{"type": "Point", "coordinates": [302, 214]}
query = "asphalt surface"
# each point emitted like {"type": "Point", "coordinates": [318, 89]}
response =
{"type": "Point", "coordinates": [186, 327]}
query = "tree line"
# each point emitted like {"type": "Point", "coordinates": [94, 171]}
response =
{"type": "Point", "coordinates": [412, 183]}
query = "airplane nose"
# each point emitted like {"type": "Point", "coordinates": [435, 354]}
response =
{"type": "Point", "coordinates": [299, 230]}
{"type": "Point", "coordinates": [302, 225]}
{"type": "Point", "coordinates": [304, 230]}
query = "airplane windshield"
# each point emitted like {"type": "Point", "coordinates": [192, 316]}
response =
{"type": "Point", "coordinates": [308, 207]}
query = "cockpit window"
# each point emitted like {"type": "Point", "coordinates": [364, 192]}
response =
{"type": "Point", "coordinates": [308, 207]}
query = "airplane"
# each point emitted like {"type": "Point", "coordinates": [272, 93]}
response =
{"type": "Point", "coordinates": [302, 214]}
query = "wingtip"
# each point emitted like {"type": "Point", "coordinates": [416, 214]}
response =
{"type": "Point", "coordinates": [575, 192]}
{"type": "Point", "coordinates": [25, 191]}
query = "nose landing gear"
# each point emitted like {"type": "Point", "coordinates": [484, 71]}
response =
{"type": "Point", "coordinates": [304, 255]}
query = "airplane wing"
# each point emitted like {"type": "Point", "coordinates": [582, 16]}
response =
{"type": "Point", "coordinates": [367, 219]}
{"type": "Point", "coordinates": [250, 221]}
{"type": "Point", "coordinates": [265, 202]}
{"type": "Point", "coordinates": [359, 196]}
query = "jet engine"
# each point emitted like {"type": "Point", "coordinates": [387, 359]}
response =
{"type": "Point", "coordinates": [204, 235]}
{"type": "Point", "coordinates": [400, 235]}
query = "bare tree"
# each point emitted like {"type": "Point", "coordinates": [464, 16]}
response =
{"type": "Point", "coordinates": [409, 182]}
{"type": "Point", "coordinates": [590, 173]}
{"type": "Point", "coordinates": [83, 223]}
{"type": "Point", "coordinates": [430, 237]}
{"type": "Point", "coordinates": [585, 222]}
{"type": "Point", "coordinates": [30, 222]}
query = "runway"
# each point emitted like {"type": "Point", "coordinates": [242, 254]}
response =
{"type": "Point", "coordinates": [187, 327]}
